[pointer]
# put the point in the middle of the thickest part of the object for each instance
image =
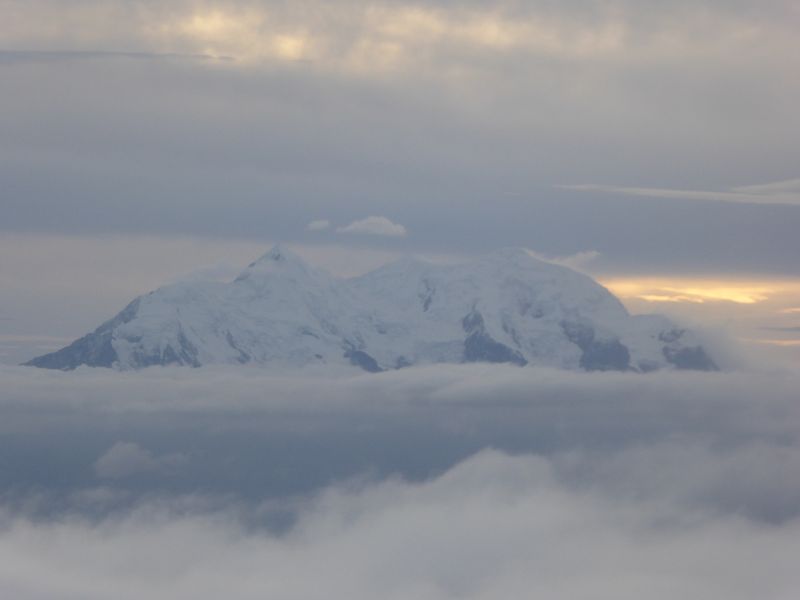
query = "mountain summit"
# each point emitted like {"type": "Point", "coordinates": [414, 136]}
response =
{"type": "Point", "coordinates": [506, 307]}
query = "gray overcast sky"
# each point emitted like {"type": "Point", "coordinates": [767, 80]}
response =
{"type": "Point", "coordinates": [456, 121]}
{"type": "Point", "coordinates": [660, 137]}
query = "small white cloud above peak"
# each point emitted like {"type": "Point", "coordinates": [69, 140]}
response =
{"type": "Point", "coordinates": [374, 226]}
{"type": "Point", "coordinates": [318, 225]}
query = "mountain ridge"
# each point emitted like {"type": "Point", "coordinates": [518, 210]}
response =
{"type": "Point", "coordinates": [506, 307]}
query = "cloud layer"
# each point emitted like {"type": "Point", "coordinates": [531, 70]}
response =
{"type": "Point", "coordinates": [124, 459]}
{"type": "Point", "coordinates": [775, 193]}
{"type": "Point", "coordinates": [246, 119]}
{"type": "Point", "coordinates": [383, 36]}
{"type": "Point", "coordinates": [268, 435]}
{"type": "Point", "coordinates": [441, 482]}
{"type": "Point", "coordinates": [495, 526]}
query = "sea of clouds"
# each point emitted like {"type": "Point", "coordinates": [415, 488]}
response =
{"type": "Point", "coordinates": [477, 481]}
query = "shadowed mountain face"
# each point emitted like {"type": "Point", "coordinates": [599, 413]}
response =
{"type": "Point", "coordinates": [507, 307]}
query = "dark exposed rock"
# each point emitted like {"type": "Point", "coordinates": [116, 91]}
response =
{"type": "Point", "coordinates": [685, 357]}
{"type": "Point", "coordinates": [481, 347]}
{"type": "Point", "coordinates": [243, 356]}
{"type": "Point", "coordinates": [598, 355]}
{"type": "Point", "coordinates": [359, 358]}
{"type": "Point", "coordinates": [473, 322]}
{"type": "Point", "coordinates": [402, 362]}
{"type": "Point", "coordinates": [693, 358]}
{"type": "Point", "coordinates": [426, 295]}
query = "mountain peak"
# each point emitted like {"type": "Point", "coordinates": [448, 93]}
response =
{"type": "Point", "coordinates": [278, 253]}
{"type": "Point", "coordinates": [278, 259]}
{"type": "Point", "coordinates": [507, 307]}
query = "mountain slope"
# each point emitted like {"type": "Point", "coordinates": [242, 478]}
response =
{"type": "Point", "coordinates": [506, 307]}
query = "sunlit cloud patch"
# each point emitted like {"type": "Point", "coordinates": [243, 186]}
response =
{"type": "Point", "coordinates": [698, 290]}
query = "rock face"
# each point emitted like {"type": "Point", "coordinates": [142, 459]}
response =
{"type": "Point", "coordinates": [507, 307]}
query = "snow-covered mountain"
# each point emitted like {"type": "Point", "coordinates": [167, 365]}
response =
{"type": "Point", "coordinates": [507, 307]}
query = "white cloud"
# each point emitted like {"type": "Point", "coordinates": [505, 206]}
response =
{"type": "Point", "coordinates": [374, 226]}
{"type": "Point", "coordinates": [790, 186]}
{"type": "Point", "coordinates": [494, 526]}
{"type": "Point", "coordinates": [124, 459]}
{"type": "Point", "coordinates": [318, 225]}
{"type": "Point", "coordinates": [779, 192]}
{"type": "Point", "coordinates": [619, 482]}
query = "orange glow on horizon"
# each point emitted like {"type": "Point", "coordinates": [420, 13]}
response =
{"type": "Point", "coordinates": [773, 342]}
{"type": "Point", "coordinates": [702, 290]}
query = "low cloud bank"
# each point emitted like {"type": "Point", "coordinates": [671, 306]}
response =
{"type": "Point", "coordinates": [474, 481]}
{"type": "Point", "coordinates": [724, 439]}
{"type": "Point", "coordinates": [495, 526]}
{"type": "Point", "coordinates": [127, 458]}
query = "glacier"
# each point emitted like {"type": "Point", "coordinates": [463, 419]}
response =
{"type": "Point", "coordinates": [505, 307]}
